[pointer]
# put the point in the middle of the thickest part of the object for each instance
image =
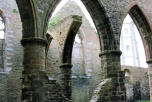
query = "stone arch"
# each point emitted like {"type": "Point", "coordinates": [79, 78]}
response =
{"type": "Point", "coordinates": [68, 46]}
{"type": "Point", "coordinates": [26, 10]}
{"type": "Point", "coordinates": [31, 11]}
{"type": "Point", "coordinates": [145, 31]}
{"type": "Point", "coordinates": [144, 28]}
{"type": "Point", "coordinates": [100, 18]}
{"type": "Point", "coordinates": [64, 37]}
{"type": "Point", "coordinates": [102, 24]}
{"type": "Point", "coordinates": [34, 15]}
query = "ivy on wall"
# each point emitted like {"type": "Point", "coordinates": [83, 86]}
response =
{"type": "Point", "coordinates": [53, 21]}
{"type": "Point", "coordinates": [15, 10]}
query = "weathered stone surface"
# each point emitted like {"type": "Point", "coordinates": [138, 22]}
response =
{"type": "Point", "coordinates": [136, 83]}
{"type": "Point", "coordinates": [10, 80]}
{"type": "Point", "coordinates": [136, 73]}
{"type": "Point", "coordinates": [64, 36]}
{"type": "Point", "coordinates": [107, 15]}
{"type": "Point", "coordinates": [85, 59]}
{"type": "Point", "coordinates": [101, 90]}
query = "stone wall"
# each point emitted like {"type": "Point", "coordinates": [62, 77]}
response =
{"type": "Point", "coordinates": [137, 83]}
{"type": "Point", "coordinates": [3, 87]}
{"type": "Point", "coordinates": [116, 11]}
{"type": "Point", "coordinates": [89, 38]}
{"type": "Point", "coordinates": [136, 73]}
{"type": "Point", "coordinates": [10, 80]}
{"type": "Point", "coordinates": [110, 90]}
{"type": "Point", "coordinates": [85, 59]}
{"type": "Point", "coordinates": [13, 59]}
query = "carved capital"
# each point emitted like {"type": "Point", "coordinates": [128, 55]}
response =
{"type": "Point", "coordinates": [66, 65]}
{"type": "Point", "coordinates": [34, 41]}
{"type": "Point", "coordinates": [110, 52]}
{"type": "Point", "coordinates": [149, 61]}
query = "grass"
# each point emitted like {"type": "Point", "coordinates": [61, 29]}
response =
{"type": "Point", "coordinates": [142, 101]}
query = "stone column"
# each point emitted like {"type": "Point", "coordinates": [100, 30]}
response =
{"type": "Point", "coordinates": [111, 68]}
{"type": "Point", "coordinates": [110, 63]}
{"type": "Point", "coordinates": [66, 80]}
{"type": "Point", "coordinates": [34, 66]}
{"type": "Point", "coordinates": [149, 62]}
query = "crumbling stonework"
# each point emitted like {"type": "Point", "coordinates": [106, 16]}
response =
{"type": "Point", "coordinates": [64, 38]}
{"type": "Point", "coordinates": [100, 91]}
{"type": "Point", "coordinates": [136, 73]}
{"type": "Point", "coordinates": [108, 16]}
{"type": "Point", "coordinates": [137, 83]}
{"type": "Point", "coordinates": [110, 90]}
{"type": "Point", "coordinates": [85, 59]}
{"type": "Point", "coordinates": [88, 37]}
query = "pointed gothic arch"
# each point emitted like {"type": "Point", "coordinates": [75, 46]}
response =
{"type": "Point", "coordinates": [26, 10]}
{"type": "Point", "coordinates": [144, 28]}
{"type": "Point", "coordinates": [35, 15]}
{"type": "Point", "coordinates": [100, 19]}
{"type": "Point", "coordinates": [145, 31]}
{"type": "Point", "coordinates": [102, 23]}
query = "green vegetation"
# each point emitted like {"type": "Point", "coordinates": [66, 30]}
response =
{"type": "Point", "coordinates": [53, 21]}
{"type": "Point", "coordinates": [142, 101]}
{"type": "Point", "coordinates": [78, 76]}
{"type": "Point", "coordinates": [15, 10]}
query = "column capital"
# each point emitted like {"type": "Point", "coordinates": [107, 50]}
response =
{"type": "Point", "coordinates": [66, 65]}
{"type": "Point", "coordinates": [149, 61]}
{"type": "Point", "coordinates": [34, 40]}
{"type": "Point", "coordinates": [107, 52]}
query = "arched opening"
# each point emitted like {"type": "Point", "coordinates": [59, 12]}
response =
{"type": "Point", "coordinates": [85, 59]}
{"type": "Point", "coordinates": [35, 12]}
{"type": "Point", "coordinates": [131, 45]}
{"type": "Point", "coordinates": [78, 54]}
{"type": "Point", "coordinates": [127, 76]}
{"type": "Point", "coordinates": [135, 52]}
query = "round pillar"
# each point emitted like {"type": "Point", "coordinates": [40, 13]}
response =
{"type": "Point", "coordinates": [34, 66]}
{"type": "Point", "coordinates": [111, 68]}
{"type": "Point", "coordinates": [110, 63]}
